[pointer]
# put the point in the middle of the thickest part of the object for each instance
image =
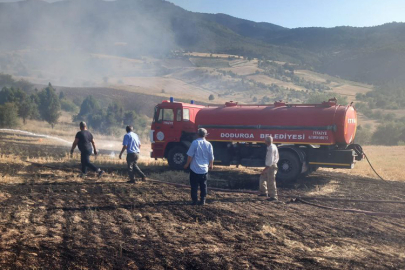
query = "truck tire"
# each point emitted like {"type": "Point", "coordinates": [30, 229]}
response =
{"type": "Point", "coordinates": [289, 167]}
{"type": "Point", "coordinates": [177, 157]}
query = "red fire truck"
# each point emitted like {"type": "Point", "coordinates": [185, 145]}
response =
{"type": "Point", "coordinates": [308, 136]}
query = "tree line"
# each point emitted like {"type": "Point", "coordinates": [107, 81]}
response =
{"type": "Point", "coordinates": [40, 105]}
{"type": "Point", "coordinates": [110, 119]}
{"type": "Point", "coordinates": [47, 105]}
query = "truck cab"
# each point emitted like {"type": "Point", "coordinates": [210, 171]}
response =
{"type": "Point", "coordinates": [172, 131]}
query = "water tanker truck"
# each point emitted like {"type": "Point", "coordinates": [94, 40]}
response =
{"type": "Point", "coordinates": [308, 136]}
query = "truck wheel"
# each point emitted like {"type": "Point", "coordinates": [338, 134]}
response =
{"type": "Point", "coordinates": [177, 157]}
{"type": "Point", "coordinates": [289, 167]}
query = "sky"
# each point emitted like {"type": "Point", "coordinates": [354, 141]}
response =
{"type": "Point", "coordinates": [302, 13]}
{"type": "Point", "coordinates": [305, 13]}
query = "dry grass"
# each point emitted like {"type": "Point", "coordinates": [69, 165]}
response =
{"type": "Point", "coordinates": [52, 219]}
{"type": "Point", "coordinates": [268, 81]}
{"type": "Point", "coordinates": [208, 55]}
{"type": "Point", "coordinates": [66, 130]}
{"type": "Point", "coordinates": [388, 161]}
{"type": "Point", "coordinates": [338, 85]}
{"type": "Point", "coordinates": [172, 87]}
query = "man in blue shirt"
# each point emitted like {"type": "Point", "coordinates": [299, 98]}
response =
{"type": "Point", "coordinates": [201, 157]}
{"type": "Point", "coordinates": [133, 146]}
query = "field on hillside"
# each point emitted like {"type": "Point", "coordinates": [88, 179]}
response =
{"type": "Point", "coordinates": [141, 83]}
{"type": "Point", "coordinates": [53, 219]}
{"type": "Point", "coordinates": [189, 76]}
{"type": "Point", "coordinates": [206, 76]}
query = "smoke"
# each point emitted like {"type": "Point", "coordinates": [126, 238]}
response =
{"type": "Point", "coordinates": [84, 42]}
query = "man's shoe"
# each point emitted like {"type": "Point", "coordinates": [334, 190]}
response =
{"type": "Point", "coordinates": [202, 202]}
{"type": "Point", "coordinates": [272, 199]}
{"type": "Point", "coordinates": [263, 195]}
{"type": "Point", "coordinates": [193, 203]}
{"type": "Point", "coordinates": [100, 173]}
{"type": "Point", "coordinates": [144, 178]}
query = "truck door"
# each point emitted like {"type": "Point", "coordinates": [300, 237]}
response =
{"type": "Point", "coordinates": [164, 126]}
{"type": "Point", "coordinates": [188, 125]}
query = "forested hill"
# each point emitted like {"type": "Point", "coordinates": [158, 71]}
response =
{"type": "Point", "coordinates": [133, 28]}
{"type": "Point", "coordinates": [369, 54]}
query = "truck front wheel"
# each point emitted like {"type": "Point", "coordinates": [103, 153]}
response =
{"type": "Point", "coordinates": [289, 167]}
{"type": "Point", "coordinates": [177, 157]}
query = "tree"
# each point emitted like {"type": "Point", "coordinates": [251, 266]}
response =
{"type": "Point", "coordinates": [68, 106]}
{"type": "Point", "coordinates": [363, 135]}
{"type": "Point", "coordinates": [8, 115]}
{"type": "Point", "coordinates": [130, 118]}
{"type": "Point", "coordinates": [96, 121]}
{"type": "Point", "coordinates": [387, 134]}
{"type": "Point", "coordinates": [23, 84]}
{"type": "Point", "coordinates": [89, 106]}
{"type": "Point", "coordinates": [116, 111]}
{"type": "Point", "coordinates": [6, 80]}
{"type": "Point", "coordinates": [27, 109]}
{"type": "Point", "coordinates": [211, 97]}
{"type": "Point", "coordinates": [133, 119]}
{"type": "Point", "coordinates": [8, 95]}
{"type": "Point", "coordinates": [316, 98]}
{"type": "Point", "coordinates": [49, 105]}
{"type": "Point", "coordinates": [139, 122]}
{"type": "Point", "coordinates": [265, 99]}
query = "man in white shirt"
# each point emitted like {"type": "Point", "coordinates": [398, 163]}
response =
{"type": "Point", "coordinates": [268, 177]}
{"type": "Point", "coordinates": [200, 159]}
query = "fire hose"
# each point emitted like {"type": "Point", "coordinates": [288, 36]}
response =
{"type": "Point", "coordinates": [359, 151]}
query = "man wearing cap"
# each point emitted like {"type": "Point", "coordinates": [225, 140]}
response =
{"type": "Point", "coordinates": [200, 159]}
{"type": "Point", "coordinates": [85, 141]}
{"type": "Point", "coordinates": [268, 176]}
{"type": "Point", "coordinates": [133, 146]}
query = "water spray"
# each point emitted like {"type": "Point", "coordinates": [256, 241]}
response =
{"type": "Point", "coordinates": [35, 135]}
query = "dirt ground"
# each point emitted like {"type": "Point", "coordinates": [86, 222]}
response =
{"type": "Point", "coordinates": [52, 219]}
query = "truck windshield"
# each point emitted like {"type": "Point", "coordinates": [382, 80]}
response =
{"type": "Point", "coordinates": [165, 115]}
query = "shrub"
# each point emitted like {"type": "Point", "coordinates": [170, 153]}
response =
{"type": "Point", "coordinates": [8, 115]}
{"type": "Point", "coordinates": [68, 106]}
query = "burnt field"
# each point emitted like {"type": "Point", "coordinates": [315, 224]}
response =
{"type": "Point", "coordinates": [52, 219]}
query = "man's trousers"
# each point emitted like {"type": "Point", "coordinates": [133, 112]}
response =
{"type": "Point", "coordinates": [85, 160]}
{"type": "Point", "coordinates": [195, 181]}
{"type": "Point", "coordinates": [132, 160]}
{"type": "Point", "coordinates": [268, 182]}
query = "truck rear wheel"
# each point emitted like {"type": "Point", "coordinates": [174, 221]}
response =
{"type": "Point", "coordinates": [289, 167]}
{"type": "Point", "coordinates": [177, 157]}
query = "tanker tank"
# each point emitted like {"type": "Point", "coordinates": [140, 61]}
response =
{"type": "Point", "coordinates": [318, 124]}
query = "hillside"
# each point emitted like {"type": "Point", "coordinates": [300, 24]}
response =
{"type": "Point", "coordinates": [60, 32]}
{"type": "Point", "coordinates": [126, 28]}
{"type": "Point", "coordinates": [156, 50]}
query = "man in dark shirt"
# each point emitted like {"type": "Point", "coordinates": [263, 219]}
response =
{"type": "Point", "coordinates": [84, 140]}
